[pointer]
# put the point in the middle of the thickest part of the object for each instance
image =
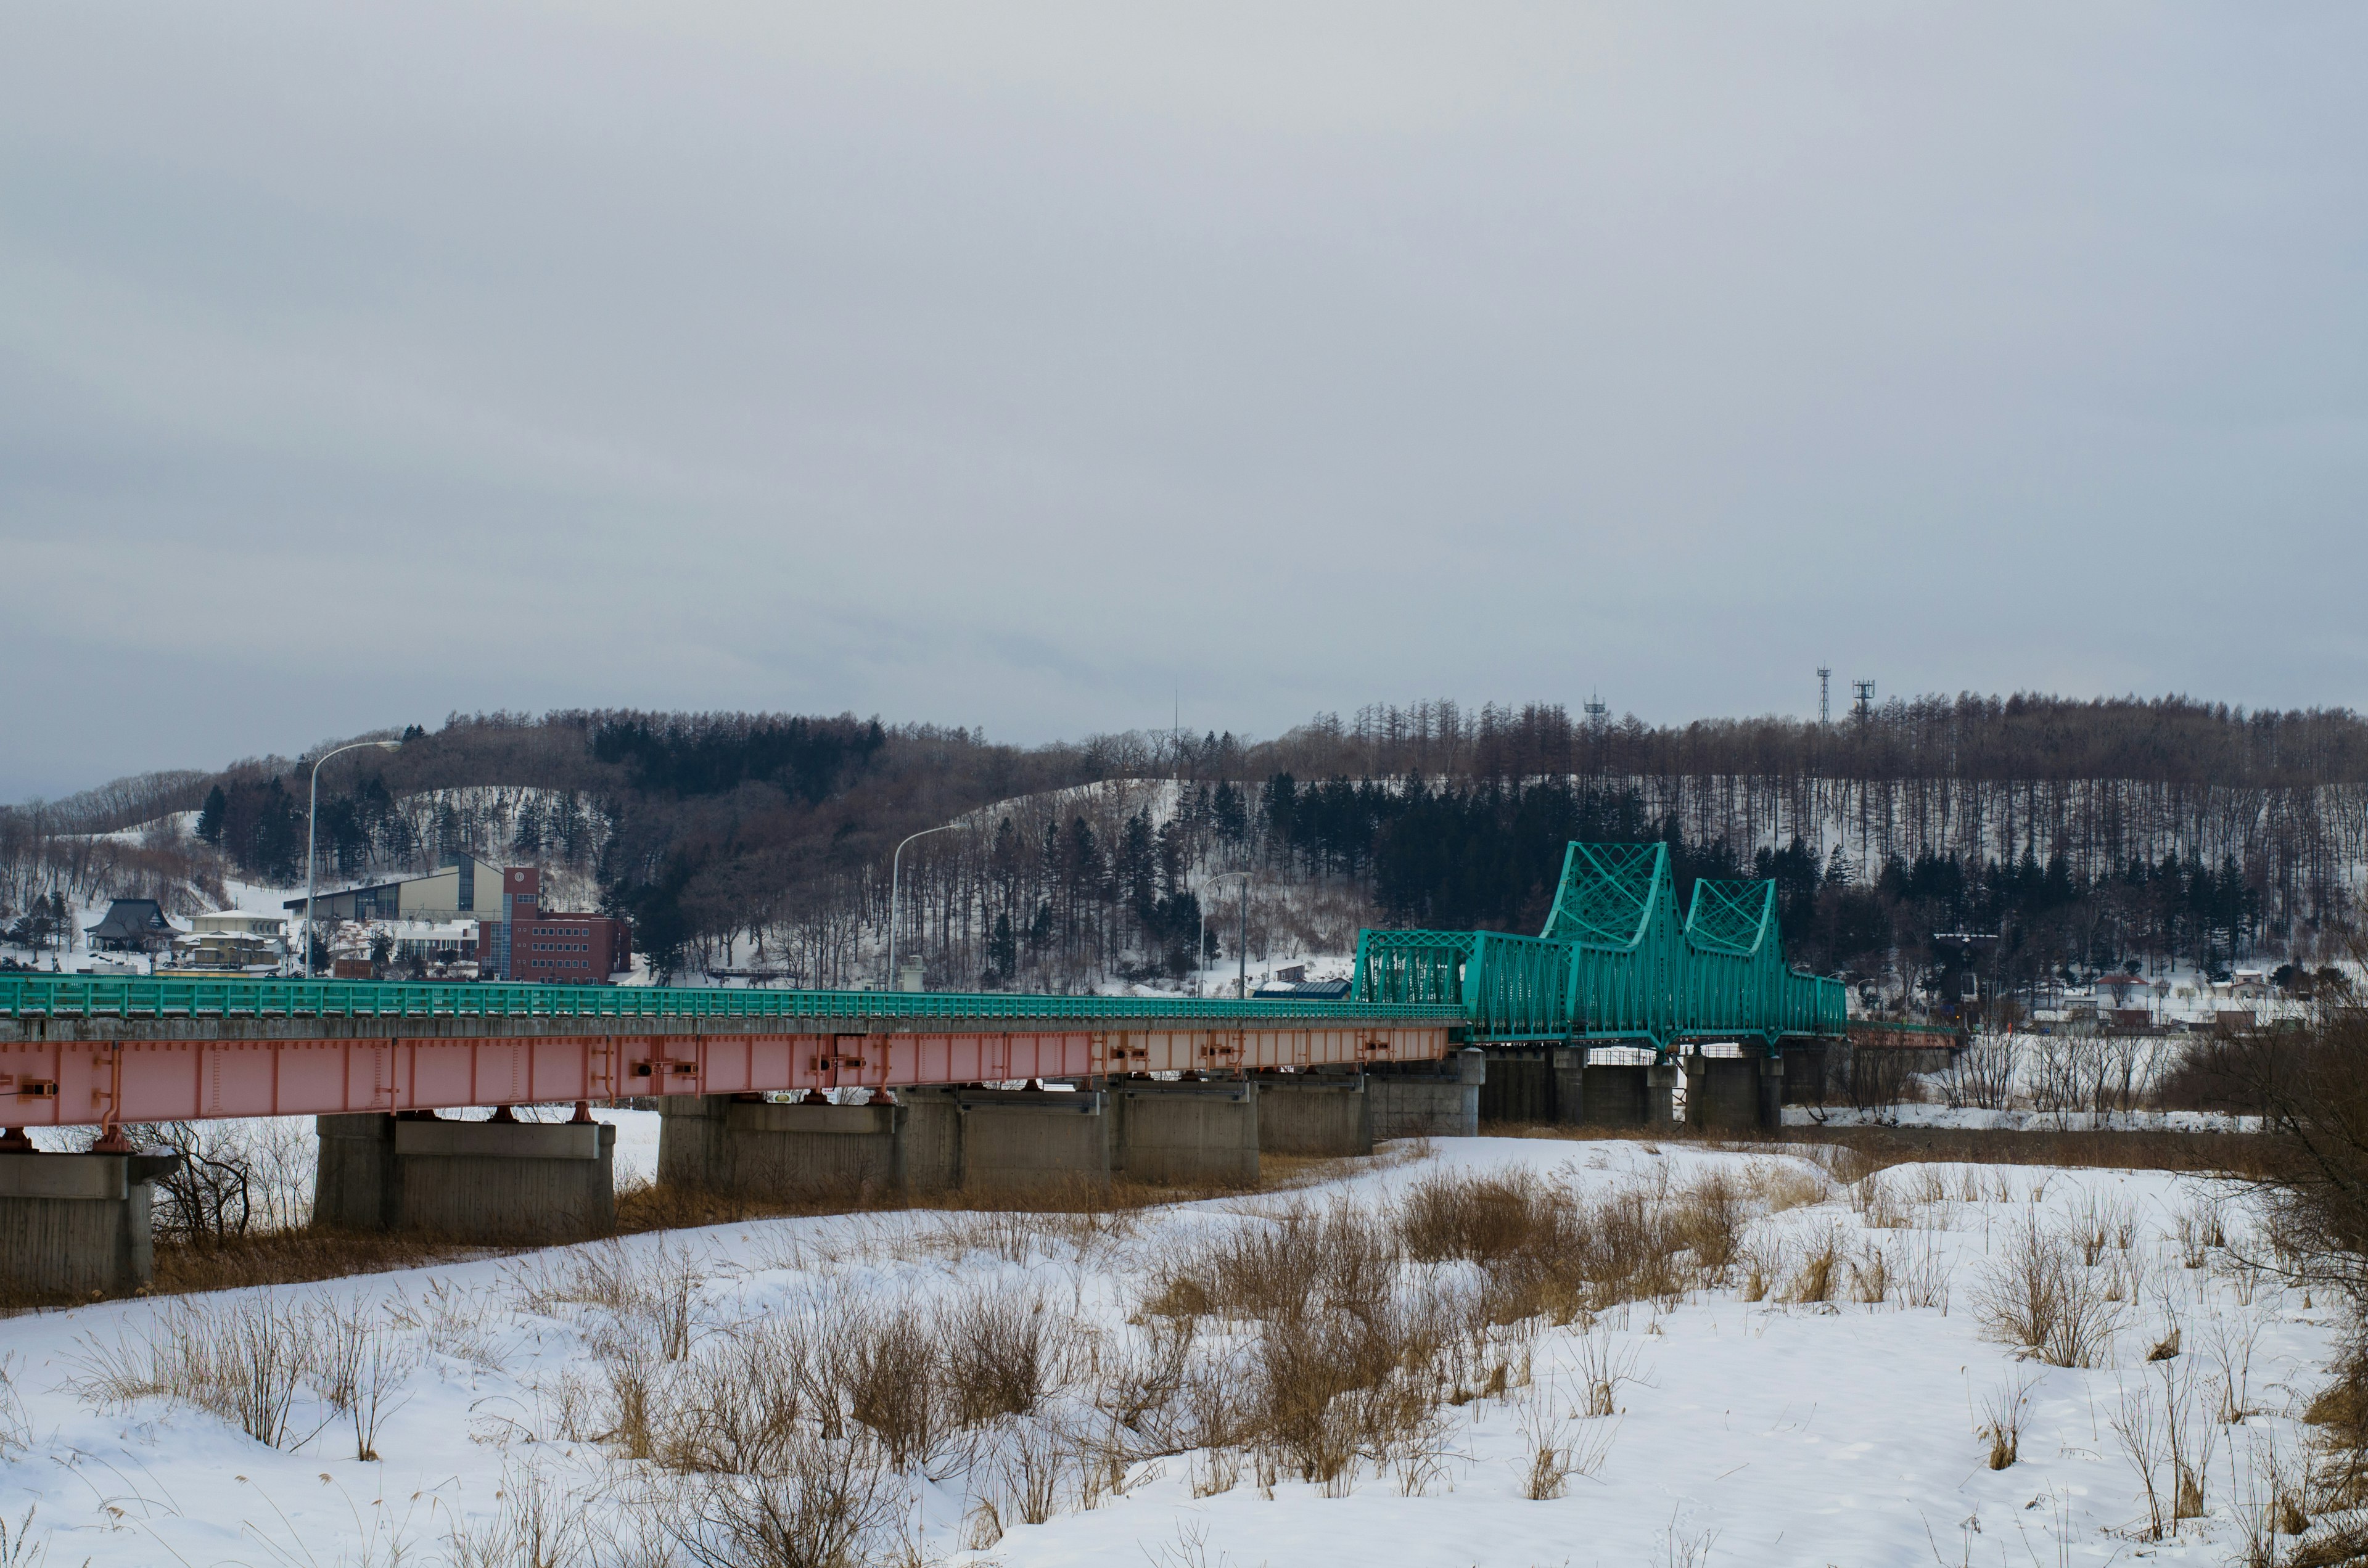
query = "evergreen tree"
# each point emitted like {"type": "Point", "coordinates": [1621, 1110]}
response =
{"type": "Point", "coordinates": [210, 816]}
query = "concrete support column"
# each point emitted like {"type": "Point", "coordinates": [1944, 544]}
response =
{"type": "Point", "coordinates": [1722, 1093]}
{"type": "Point", "coordinates": [1771, 1090]}
{"type": "Point", "coordinates": [1442, 1103]}
{"type": "Point", "coordinates": [754, 1145]}
{"type": "Point", "coordinates": [514, 1181]}
{"type": "Point", "coordinates": [1312, 1113]}
{"type": "Point", "coordinates": [1661, 1094]}
{"type": "Point", "coordinates": [1570, 1067]}
{"type": "Point", "coordinates": [76, 1225]}
{"type": "Point", "coordinates": [1015, 1138]}
{"type": "Point", "coordinates": [1615, 1096]}
{"type": "Point", "coordinates": [1192, 1133]}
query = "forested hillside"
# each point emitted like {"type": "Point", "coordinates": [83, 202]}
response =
{"type": "Point", "coordinates": [2085, 833]}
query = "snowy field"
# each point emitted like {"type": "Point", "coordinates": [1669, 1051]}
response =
{"type": "Point", "coordinates": [1809, 1376]}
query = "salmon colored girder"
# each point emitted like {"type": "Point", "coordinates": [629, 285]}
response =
{"type": "Point", "coordinates": [103, 1082]}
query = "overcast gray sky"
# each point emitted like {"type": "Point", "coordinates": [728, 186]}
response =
{"type": "Point", "coordinates": [1017, 365]}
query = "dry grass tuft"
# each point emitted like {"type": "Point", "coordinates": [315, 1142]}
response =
{"type": "Point", "coordinates": [2035, 1295]}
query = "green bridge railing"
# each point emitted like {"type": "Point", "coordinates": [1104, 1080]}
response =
{"type": "Point", "coordinates": [76, 996]}
{"type": "Point", "coordinates": [1614, 963]}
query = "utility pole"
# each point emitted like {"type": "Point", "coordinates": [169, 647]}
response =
{"type": "Point", "coordinates": [312, 835]}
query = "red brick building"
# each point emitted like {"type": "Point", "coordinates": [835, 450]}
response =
{"type": "Point", "coordinates": [528, 942]}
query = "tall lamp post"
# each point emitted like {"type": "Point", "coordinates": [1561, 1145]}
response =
{"type": "Point", "coordinates": [895, 863]}
{"type": "Point", "coordinates": [312, 835]}
{"type": "Point", "coordinates": [1241, 940]}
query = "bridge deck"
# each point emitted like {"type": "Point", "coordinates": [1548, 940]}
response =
{"type": "Point", "coordinates": [79, 1052]}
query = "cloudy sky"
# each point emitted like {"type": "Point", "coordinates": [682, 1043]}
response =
{"type": "Point", "coordinates": [1021, 366]}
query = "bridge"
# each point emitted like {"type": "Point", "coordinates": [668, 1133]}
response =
{"type": "Point", "coordinates": [1613, 964]}
{"type": "Point", "coordinates": [887, 1088]}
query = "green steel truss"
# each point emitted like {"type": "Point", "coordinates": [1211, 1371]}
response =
{"type": "Point", "coordinates": [1614, 963]}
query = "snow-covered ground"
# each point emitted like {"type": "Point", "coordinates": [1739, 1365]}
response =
{"type": "Point", "coordinates": [1744, 1431]}
{"type": "Point", "coordinates": [1970, 1119]}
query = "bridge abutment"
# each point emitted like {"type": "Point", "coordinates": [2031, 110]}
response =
{"type": "Point", "coordinates": [78, 1225]}
{"type": "Point", "coordinates": [497, 1181]}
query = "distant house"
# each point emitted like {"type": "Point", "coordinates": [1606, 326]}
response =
{"type": "Point", "coordinates": [239, 923]}
{"type": "Point", "coordinates": [1304, 991]}
{"type": "Point", "coordinates": [132, 924]}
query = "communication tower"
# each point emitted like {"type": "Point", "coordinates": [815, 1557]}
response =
{"type": "Point", "coordinates": [1864, 707]}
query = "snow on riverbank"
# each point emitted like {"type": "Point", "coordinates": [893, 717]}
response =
{"type": "Point", "coordinates": [1969, 1118]}
{"type": "Point", "coordinates": [1746, 1432]}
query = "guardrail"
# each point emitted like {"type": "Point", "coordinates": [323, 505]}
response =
{"type": "Point", "coordinates": [78, 996]}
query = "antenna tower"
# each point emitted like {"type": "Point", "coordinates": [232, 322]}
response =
{"type": "Point", "coordinates": [1864, 707]}
{"type": "Point", "coordinates": [1824, 688]}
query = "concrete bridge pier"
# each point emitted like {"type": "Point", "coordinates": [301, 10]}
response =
{"type": "Point", "coordinates": [1204, 1134]}
{"type": "Point", "coordinates": [1315, 1113]}
{"type": "Point", "coordinates": [1661, 1094]}
{"type": "Point", "coordinates": [1441, 1102]}
{"type": "Point", "coordinates": [75, 1225]}
{"type": "Point", "coordinates": [970, 1139]}
{"type": "Point", "coordinates": [1615, 1096]}
{"type": "Point", "coordinates": [1736, 1094]}
{"type": "Point", "coordinates": [746, 1144]}
{"type": "Point", "coordinates": [495, 1181]}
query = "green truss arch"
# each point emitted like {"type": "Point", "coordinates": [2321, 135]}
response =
{"type": "Point", "coordinates": [1614, 963]}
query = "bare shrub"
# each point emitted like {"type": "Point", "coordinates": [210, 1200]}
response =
{"type": "Point", "coordinates": [1921, 1269]}
{"type": "Point", "coordinates": [2002, 1416]}
{"type": "Point", "coordinates": [15, 1422]}
{"type": "Point", "coordinates": [1876, 1201]}
{"type": "Point", "coordinates": [831, 1504]}
{"type": "Point", "coordinates": [1483, 1219]}
{"type": "Point", "coordinates": [1557, 1446]}
{"type": "Point", "coordinates": [2098, 1222]}
{"type": "Point", "coordinates": [1779, 1184]}
{"type": "Point", "coordinates": [243, 1362]}
{"type": "Point", "coordinates": [1762, 1263]}
{"type": "Point", "coordinates": [2035, 1295]}
{"type": "Point", "coordinates": [894, 1373]}
{"type": "Point", "coordinates": [1139, 1388]}
{"type": "Point", "coordinates": [1821, 1264]}
{"type": "Point", "coordinates": [1707, 1219]}
{"type": "Point", "coordinates": [536, 1526]}
{"type": "Point", "coordinates": [737, 1405]}
{"type": "Point", "coordinates": [1602, 1368]}
{"type": "Point", "coordinates": [1871, 1274]}
{"type": "Point", "coordinates": [2138, 1426]}
{"type": "Point", "coordinates": [1326, 1389]}
{"type": "Point", "coordinates": [1302, 1259]}
{"type": "Point", "coordinates": [361, 1369]}
{"type": "Point", "coordinates": [1000, 1349]}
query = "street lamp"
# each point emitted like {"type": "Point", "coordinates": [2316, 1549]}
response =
{"type": "Point", "coordinates": [1241, 940]}
{"type": "Point", "coordinates": [894, 862]}
{"type": "Point", "coordinates": [313, 836]}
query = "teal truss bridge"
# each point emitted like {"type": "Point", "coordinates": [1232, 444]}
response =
{"type": "Point", "coordinates": [1614, 964]}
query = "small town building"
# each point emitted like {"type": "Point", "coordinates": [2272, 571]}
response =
{"type": "Point", "coordinates": [530, 942]}
{"type": "Point", "coordinates": [132, 924]}
{"type": "Point", "coordinates": [239, 923]}
{"type": "Point", "coordinates": [227, 952]}
{"type": "Point", "coordinates": [462, 885]}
